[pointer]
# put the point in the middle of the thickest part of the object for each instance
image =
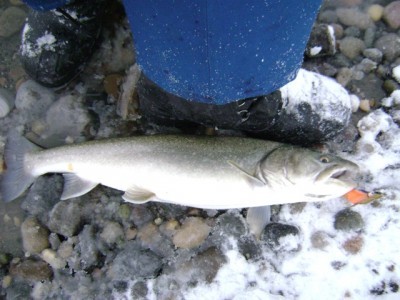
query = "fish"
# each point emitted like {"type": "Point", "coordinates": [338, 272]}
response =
{"type": "Point", "coordinates": [197, 171]}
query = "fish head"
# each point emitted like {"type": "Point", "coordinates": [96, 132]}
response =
{"type": "Point", "coordinates": [307, 173]}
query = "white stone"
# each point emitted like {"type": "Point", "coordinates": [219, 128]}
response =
{"type": "Point", "coordinates": [396, 73]}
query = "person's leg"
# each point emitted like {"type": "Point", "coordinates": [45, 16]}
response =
{"type": "Point", "coordinates": [46, 4]}
{"type": "Point", "coordinates": [57, 43]}
{"type": "Point", "coordinates": [218, 52]}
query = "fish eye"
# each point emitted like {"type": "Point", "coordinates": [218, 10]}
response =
{"type": "Point", "coordinates": [324, 159]}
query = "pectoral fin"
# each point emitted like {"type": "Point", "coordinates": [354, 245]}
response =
{"type": "Point", "coordinates": [247, 174]}
{"type": "Point", "coordinates": [137, 195]}
{"type": "Point", "coordinates": [257, 218]}
{"type": "Point", "coordinates": [74, 186]}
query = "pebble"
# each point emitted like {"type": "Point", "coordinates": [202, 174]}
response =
{"type": "Point", "coordinates": [150, 237]}
{"type": "Point", "coordinates": [365, 105]}
{"type": "Point", "coordinates": [281, 237]}
{"type": "Point", "coordinates": [355, 103]}
{"type": "Point", "coordinates": [348, 220]}
{"type": "Point", "coordinates": [134, 262]}
{"type": "Point", "coordinates": [389, 45]}
{"type": "Point", "coordinates": [124, 211]}
{"type": "Point", "coordinates": [354, 17]}
{"type": "Point", "coordinates": [231, 224]}
{"type": "Point", "coordinates": [35, 237]}
{"type": "Point", "coordinates": [65, 218]}
{"type": "Point", "coordinates": [141, 215]}
{"type": "Point", "coordinates": [391, 14]}
{"type": "Point", "coordinates": [6, 102]}
{"type": "Point", "coordinates": [11, 21]}
{"type": "Point", "coordinates": [375, 12]}
{"type": "Point", "coordinates": [65, 250]}
{"type": "Point", "coordinates": [353, 245]}
{"type": "Point", "coordinates": [34, 270]}
{"type": "Point", "coordinates": [319, 240]}
{"type": "Point", "coordinates": [6, 281]}
{"type": "Point", "coordinates": [373, 54]}
{"type": "Point", "coordinates": [33, 97]}
{"type": "Point", "coordinates": [351, 47]}
{"type": "Point", "coordinates": [344, 76]}
{"type": "Point", "coordinates": [50, 256]}
{"type": "Point", "coordinates": [367, 65]}
{"type": "Point", "coordinates": [369, 37]}
{"type": "Point", "coordinates": [396, 73]}
{"type": "Point", "coordinates": [139, 290]}
{"type": "Point", "coordinates": [192, 233]}
{"type": "Point", "coordinates": [369, 87]}
{"type": "Point", "coordinates": [130, 233]}
{"type": "Point", "coordinates": [352, 31]}
{"type": "Point", "coordinates": [112, 233]}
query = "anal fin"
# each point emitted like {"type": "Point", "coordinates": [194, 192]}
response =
{"type": "Point", "coordinates": [257, 218]}
{"type": "Point", "coordinates": [137, 195]}
{"type": "Point", "coordinates": [74, 186]}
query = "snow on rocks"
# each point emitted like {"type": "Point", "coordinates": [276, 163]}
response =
{"type": "Point", "coordinates": [35, 237]}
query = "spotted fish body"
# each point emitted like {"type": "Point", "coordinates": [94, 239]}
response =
{"type": "Point", "coordinates": [203, 172]}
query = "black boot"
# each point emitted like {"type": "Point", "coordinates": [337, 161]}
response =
{"type": "Point", "coordinates": [310, 109]}
{"type": "Point", "coordinates": [57, 44]}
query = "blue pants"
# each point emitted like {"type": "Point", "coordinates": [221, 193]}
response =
{"type": "Point", "coordinates": [218, 51]}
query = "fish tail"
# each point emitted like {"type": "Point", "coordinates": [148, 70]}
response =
{"type": "Point", "coordinates": [16, 179]}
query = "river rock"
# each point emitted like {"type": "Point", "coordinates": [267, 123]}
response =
{"type": "Point", "coordinates": [65, 218]}
{"type": "Point", "coordinates": [370, 87]}
{"type": "Point", "coordinates": [34, 98]}
{"type": "Point", "coordinates": [89, 253]}
{"type": "Point", "coordinates": [375, 12]}
{"type": "Point", "coordinates": [134, 262]}
{"type": "Point", "coordinates": [112, 233]}
{"type": "Point", "coordinates": [391, 14]}
{"type": "Point", "coordinates": [35, 237]}
{"type": "Point", "coordinates": [348, 220]}
{"type": "Point", "coordinates": [281, 237]}
{"type": "Point", "coordinates": [192, 233]}
{"type": "Point", "coordinates": [319, 240]}
{"type": "Point", "coordinates": [321, 42]}
{"type": "Point", "coordinates": [354, 17]}
{"type": "Point", "coordinates": [32, 270]}
{"type": "Point", "coordinates": [6, 102]}
{"type": "Point", "coordinates": [11, 21]}
{"type": "Point", "coordinates": [353, 245]}
{"type": "Point", "coordinates": [373, 54]}
{"type": "Point", "coordinates": [389, 45]}
{"type": "Point", "coordinates": [150, 237]}
{"type": "Point", "coordinates": [351, 47]}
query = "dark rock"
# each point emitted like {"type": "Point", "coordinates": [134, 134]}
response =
{"type": "Point", "coordinates": [139, 290]}
{"type": "Point", "coordinates": [328, 16]}
{"type": "Point", "coordinates": [275, 232]}
{"type": "Point", "coordinates": [369, 36]}
{"type": "Point", "coordinates": [338, 265]}
{"type": "Point", "coordinates": [133, 262]}
{"type": "Point", "coordinates": [348, 220]}
{"type": "Point", "coordinates": [65, 218]}
{"type": "Point", "coordinates": [88, 250]}
{"type": "Point", "coordinates": [42, 196]}
{"type": "Point", "coordinates": [351, 47]}
{"type": "Point", "coordinates": [249, 247]}
{"type": "Point", "coordinates": [321, 42]}
{"type": "Point", "coordinates": [32, 270]}
{"type": "Point", "coordinates": [390, 86]}
{"type": "Point", "coordinates": [370, 87]}
{"type": "Point", "coordinates": [389, 45]}
{"type": "Point", "coordinates": [141, 215]}
{"type": "Point", "coordinates": [232, 224]}
{"type": "Point", "coordinates": [19, 290]}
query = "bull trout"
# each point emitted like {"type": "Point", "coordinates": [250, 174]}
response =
{"type": "Point", "coordinates": [203, 172]}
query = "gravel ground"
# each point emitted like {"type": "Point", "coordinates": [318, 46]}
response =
{"type": "Point", "coordinates": [98, 247]}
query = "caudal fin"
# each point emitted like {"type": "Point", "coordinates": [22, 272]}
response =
{"type": "Point", "coordinates": [16, 179]}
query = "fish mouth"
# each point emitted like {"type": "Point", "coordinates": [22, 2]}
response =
{"type": "Point", "coordinates": [338, 174]}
